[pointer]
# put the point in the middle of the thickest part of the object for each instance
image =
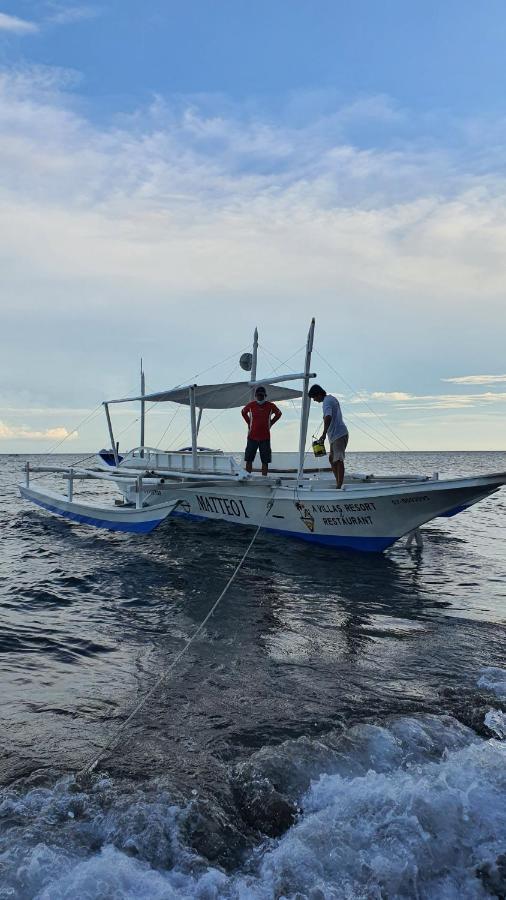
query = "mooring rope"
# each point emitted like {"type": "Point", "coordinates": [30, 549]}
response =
{"type": "Point", "coordinates": [86, 770]}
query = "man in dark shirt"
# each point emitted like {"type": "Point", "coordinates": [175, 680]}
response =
{"type": "Point", "coordinates": [259, 415]}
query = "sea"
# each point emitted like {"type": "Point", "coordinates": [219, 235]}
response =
{"type": "Point", "coordinates": [337, 729]}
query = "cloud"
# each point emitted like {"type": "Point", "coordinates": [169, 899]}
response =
{"type": "Point", "coordinates": [24, 432]}
{"type": "Point", "coordinates": [391, 395]}
{"type": "Point", "coordinates": [14, 25]}
{"type": "Point", "coordinates": [181, 200]}
{"type": "Point", "coordinates": [439, 403]}
{"type": "Point", "coordinates": [477, 379]}
{"type": "Point", "coordinates": [429, 401]}
{"type": "Point", "coordinates": [67, 15]}
{"type": "Point", "coordinates": [178, 227]}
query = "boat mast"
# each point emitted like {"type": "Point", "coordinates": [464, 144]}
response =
{"type": "Point", "coordinates": [306, 401]}
{"type": "Point", "coordinates": [254, 357]}
{"type": "Point", "coordinates": [143, 408]}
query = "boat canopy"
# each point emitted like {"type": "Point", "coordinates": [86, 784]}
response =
{"type": "Point", "coordinates": [216, 396]}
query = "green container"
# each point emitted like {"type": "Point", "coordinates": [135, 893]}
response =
{"type": "Point", "coordinates": [318, 448]}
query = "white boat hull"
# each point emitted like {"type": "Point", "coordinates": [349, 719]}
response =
{"type": "Point", "coordinates": [114, 518]}
{"type": "Point", "coordinates": [368, 517]}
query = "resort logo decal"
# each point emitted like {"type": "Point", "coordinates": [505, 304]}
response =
{"type": "Point", "coordinates": [306, 516]}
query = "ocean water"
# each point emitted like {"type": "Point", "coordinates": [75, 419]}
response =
{"type": "Point", "coordinates": [338, 730]}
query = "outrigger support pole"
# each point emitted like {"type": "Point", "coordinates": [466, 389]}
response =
{"type": "Point", "coordinates": [111, 434]}
{"type": "Point", "coordinates": [193, 420]}
{"type": "Point", "coordinates": [306, 401]}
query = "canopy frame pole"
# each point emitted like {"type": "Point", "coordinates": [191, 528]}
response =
{"type": "Point", "coordinates": [282, 378]}
{"type": "Point", "coordinates": [199, 419]}
{"type": "Point", "coordinates": [254, 359]}
{"type": "Point", "coordinates": [111, 435]}
{"type": "Point", "coordinates": [306, 402]}
{"type": "Point", "coordinates": [193, 421]}
{"type": "Point", "coordinates": [143, 409]}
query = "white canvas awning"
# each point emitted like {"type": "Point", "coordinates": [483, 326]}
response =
{"type": "Point", "coordinates": [215, 396]}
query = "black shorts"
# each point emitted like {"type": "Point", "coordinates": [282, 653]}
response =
{"type": "Point", "coordinates": [252, 447]}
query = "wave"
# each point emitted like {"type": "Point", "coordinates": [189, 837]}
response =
{"type": "Point", "coordinates": [413, 808]}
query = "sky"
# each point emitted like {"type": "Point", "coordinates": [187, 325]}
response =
{"type": "Point", "coordinates": [174, 174]}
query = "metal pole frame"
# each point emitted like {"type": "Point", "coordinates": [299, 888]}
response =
{"type": "Point", "coordinates": [306, 402]}
{"type": "Point", "coordinates": [143, 410]}
{"type": "Point", "coordinates": [254, 358]}
{"type": "Point", "coordinates": [111, 434]}
{"type": "Point", "coordinates": [193, 421]}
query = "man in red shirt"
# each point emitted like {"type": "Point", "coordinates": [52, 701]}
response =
{"type": "Point", "coordinates": [259, 415]}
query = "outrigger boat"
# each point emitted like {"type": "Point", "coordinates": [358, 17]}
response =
{"type": "Point", "coordinates": [368, 513]}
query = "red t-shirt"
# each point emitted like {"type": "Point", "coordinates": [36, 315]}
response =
{"type": "Point", "coordinates": [258, 416]}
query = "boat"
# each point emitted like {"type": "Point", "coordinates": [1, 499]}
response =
{"type": "Point", "coordinates": [368, 513]}
{"type": "Point", "coordinates": [122, 516]}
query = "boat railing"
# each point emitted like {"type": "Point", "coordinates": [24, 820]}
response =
{"type": "Point", "coordinates": [208, 463]}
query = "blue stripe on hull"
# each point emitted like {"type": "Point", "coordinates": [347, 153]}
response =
{"type": "Point", "coordinates": [137, 527]}
{"type": "Point", "coordinates": [453, 512]}
{"type": "Point", "coordinates": [362, 544]}
{"type": "Point", "coordinates": [195, 518]}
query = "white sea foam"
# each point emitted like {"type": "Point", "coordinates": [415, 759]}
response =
{"type": "Point", "coordinates": [493, 679]}
{"type": "Point", "coordinates": [416, 809]}
{"type": "Point", "coordinates": [496, 721]}
{"type": "Point", "coordinates": [419, 832]}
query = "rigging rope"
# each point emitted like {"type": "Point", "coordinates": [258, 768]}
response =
{"type": "Point", "coordinates": [234, 355]}
{"type": "Point", "coordinates": [308, 448]}
{"type": "Point", "coordinates": [204, 424]}
{"type": "Point", "coordinates": [350, 415]}
{"type": "Point", "coordinates": [193, 379]}
{"type": "Point", "coordinates": [203, 372]}
{"type": "Point", "coordinates": [410, 464]}
{"type": "Point", "coordinates": [369, 407]}
{"type": "Point", "coordinates": [89, 767]}
{"type": "Point", "coordinates": [171, 420]}
{"type": "Point", "coordinates": [356, 424]}
{"type": "Point", "coordinates": [247, 392]}
{"type": "Point", "coordinates": [87, 418]}
{"type": "Point", "coordinates": [54, 447]}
